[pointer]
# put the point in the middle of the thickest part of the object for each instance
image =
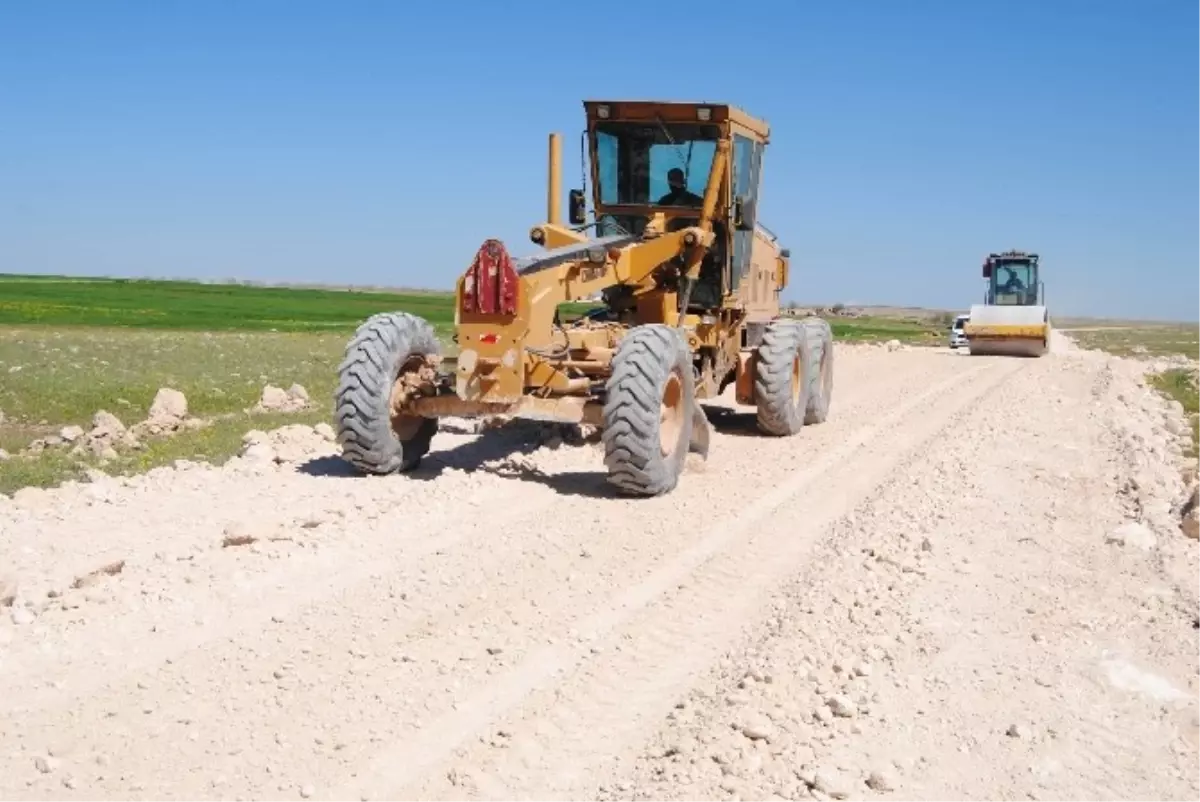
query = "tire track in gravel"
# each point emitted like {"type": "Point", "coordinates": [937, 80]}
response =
{"type": "Point", "coordinates": [957, 654]}
{"type": "Point", "coordinates": [667, 659]}
{"type": "Point", "coordinates": [228, 611]}
{"type": "Point", "coordinates": [203, 700]}
{"type": "Point", "coordinates": [432, 630]}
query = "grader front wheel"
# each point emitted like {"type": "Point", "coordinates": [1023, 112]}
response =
{"type": "Point", "coordinates": [648, 411]}
{"type": "Point", "coordinates": [373, 437]}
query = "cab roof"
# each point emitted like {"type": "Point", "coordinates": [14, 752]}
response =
{"type": "Point", "coordinates": [676, 111]}
{"type": "Point", "coordinates": [1012, 256]}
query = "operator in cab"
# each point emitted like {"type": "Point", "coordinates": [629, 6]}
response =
{"type": "Point", "coordinates": [679, 194]}
{"type": "Point", "coordinates": [1013, 283]}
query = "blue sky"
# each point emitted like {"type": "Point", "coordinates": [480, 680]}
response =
{"type": "Point", "coordinates": [370, 142]}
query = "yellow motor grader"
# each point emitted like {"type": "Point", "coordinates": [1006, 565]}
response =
{"type": "Point", "coordinates": [687, 283]}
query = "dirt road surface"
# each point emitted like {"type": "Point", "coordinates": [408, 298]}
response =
{"type": "Point", "coordinates": [968, 583]}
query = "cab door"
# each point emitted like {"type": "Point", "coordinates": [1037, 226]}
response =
{"type": "Point", "coordinates": [747, 161]}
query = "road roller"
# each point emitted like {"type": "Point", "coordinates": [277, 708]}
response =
{"type": "Point", "coordinates": [1013, 319]}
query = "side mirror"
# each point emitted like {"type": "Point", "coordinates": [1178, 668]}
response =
{"type": "Point", "coordinates": [577, 211]}
{"type": "Point", "coordinates": [744, 214]}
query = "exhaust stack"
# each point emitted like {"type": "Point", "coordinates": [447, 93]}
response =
{"type": "Point", "coordinates": [554, 183]}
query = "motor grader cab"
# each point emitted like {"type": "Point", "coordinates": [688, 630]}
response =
{"type": "Point", "coordinates": [1013, 319]}
{"type": "Point", "coordinates": [689, 283]}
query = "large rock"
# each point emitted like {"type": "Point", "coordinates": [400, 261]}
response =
{"type": "Point", "coordinates": [273, 398]}
{"type": "Point", "coordinates": [107, 434]}
{"type": "Point", "coordinates": [70, 434]}
{"type": "Point", "coordinates": [168, 414]}
{"type": "Point", "coordinates": [1190, 526]}
{"type": "Point", "coordinates": [168, 405]}
{"type": "Point", "coordinates": [276, 399]}
{"type": "Point", "coordinates": [1188, 513]}
{"type": "Point", "coordinates": [293, 443]}
{"type": "Point", "coordinates": [1133, 534]}
{"type": "Point", "coordinates": [106, 424]}
{"type": "Point", "coordinates": [8, 590]}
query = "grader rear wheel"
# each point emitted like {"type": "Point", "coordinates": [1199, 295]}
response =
{"type": "Point", "coordinates": [819, 337]}
{"type": "Point", "coordinates": [373, 437]}
{"type": "Point", "coordinates": [648, 411]}
{"type": "Point", "coordinates": [783, 377]}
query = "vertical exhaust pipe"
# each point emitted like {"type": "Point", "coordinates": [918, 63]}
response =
{"type": "Point", "coordinates": [554, 183]}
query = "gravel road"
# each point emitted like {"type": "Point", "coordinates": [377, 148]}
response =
{"type": "Point", "coordinates": [968, 583]}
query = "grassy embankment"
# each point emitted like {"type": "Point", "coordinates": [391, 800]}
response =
{"type": "Point", "coordinates": [72, 346]}
{"type": "Point", "coordinates": [1142, 340]}
{"type": "Point", "coordinates": [1150, 341]}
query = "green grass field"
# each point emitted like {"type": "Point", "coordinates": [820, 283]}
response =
{"type": "Point", "coordinates": [64, 301]}
{"type": "Point", "coordinates": [876, 329]}
{"type": "Point", "coordinates": [1138, 339]}
{"type": "Point", "coordinates": [71, 346]}
{"type": "Point", "coordinates": [182, 305]}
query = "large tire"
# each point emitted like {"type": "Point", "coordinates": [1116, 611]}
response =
{"type": "Point", "coordinates": [783, 377]}
{"type": "Point", "coordinates": [648, 411]}
{"type": "Point", "coordinates": [371, 440]}
{"type": "Point", "coordinates": [819, 337]}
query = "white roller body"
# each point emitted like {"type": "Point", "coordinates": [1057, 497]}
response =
{"type": "Point", "coordinates": [1029, 334]}
{"type": "Point", "coordinates": [986, 315]}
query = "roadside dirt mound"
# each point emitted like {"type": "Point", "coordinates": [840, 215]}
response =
{"type": "Point", "coordinates": [1061, 343]}
{"type": "Point", "coordinates": [168, 414]}
{"type": "Point", "coordinates": [961, 585]}
{"type": "Point", "coordinates": [276, 399]}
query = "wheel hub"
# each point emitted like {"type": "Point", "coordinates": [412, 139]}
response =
{"type": "Point", "coordinates": [414, 377]}
{"type": "Point", "coordinates": [797, 378]}
{"type": "Point", "coordinates": [670, 414]}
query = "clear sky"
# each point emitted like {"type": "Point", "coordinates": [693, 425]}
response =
{"type": "Point", "coordinates": [380, 143]}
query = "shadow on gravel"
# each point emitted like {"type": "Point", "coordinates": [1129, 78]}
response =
{"type": "Point", "coordinates": [586, 484]}
{"type": "Point", "coordinates": [732, 422]}
{"type": "Point", "coordinates": [327, 466]}
{"type": "Point", "coordinates": [503, 448]}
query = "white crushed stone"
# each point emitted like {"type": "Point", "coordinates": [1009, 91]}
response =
{"type": "Point", "coordinates": [868, 608]}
